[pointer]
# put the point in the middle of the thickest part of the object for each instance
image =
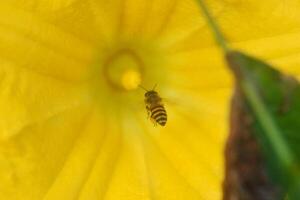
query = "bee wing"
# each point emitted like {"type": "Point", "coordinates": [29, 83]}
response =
{"type": "Point", "coordinates": [182, 102]}
{"type": "Point", "coordinates": [169, 101]}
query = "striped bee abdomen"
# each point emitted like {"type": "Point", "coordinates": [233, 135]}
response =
{"type": "Point", "coordinates": [159, 114]}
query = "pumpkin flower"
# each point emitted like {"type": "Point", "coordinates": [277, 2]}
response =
{"type": "Point", "coordinates": [73, 123]}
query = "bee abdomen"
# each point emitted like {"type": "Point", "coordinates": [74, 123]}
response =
{"type": "Point", "coordinates": [159, 114]}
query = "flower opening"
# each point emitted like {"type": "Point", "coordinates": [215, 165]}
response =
{"type": "Point", "coordinates": [123, 70]}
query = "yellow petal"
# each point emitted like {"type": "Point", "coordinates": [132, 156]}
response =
{"type": "Point", "coordinates": [144, 172]}
{"type": "Point", "coordinates": [107, 15]}
{"type": "Point", "coordinates": [283, 53]}
{"type": "Point", "coordinates": [35, 157]}
{"type": "Point", "coordinates": [56, 53]}
{"type": "Point", "coordinates": [198, 69]}
{"type": "Point", "coordinates": [27, 98]}
{"type": "Point", "coordinates": [95, 144]}
{"type": "Point", "coordinates": [42, 5]}
{"type": "Point", "coordinates": [248, 20]}
{"type": "Point", "coordinates": [184, 19]}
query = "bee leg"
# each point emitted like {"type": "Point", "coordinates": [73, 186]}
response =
{"type": "Point", "coordinates": [154, 122]}
{"type": "Point", "coordinates": [148, 112]}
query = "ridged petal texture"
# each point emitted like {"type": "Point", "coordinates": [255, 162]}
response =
{"type": "Point", "coordinates": [66, 135]}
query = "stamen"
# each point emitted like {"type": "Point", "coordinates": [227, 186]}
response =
{"type": "Point", "coordinates": [131, 79]}
{"type": "Point", "coordinates": [123, 70]}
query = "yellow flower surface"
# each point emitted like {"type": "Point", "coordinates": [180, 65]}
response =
{"type": "Point", "coordinates": [73, 123]}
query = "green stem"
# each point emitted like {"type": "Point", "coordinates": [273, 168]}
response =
{"type": "Point", "coordinates": [270, 128]}
{"type": "Point", "coordinates": [214, 27]}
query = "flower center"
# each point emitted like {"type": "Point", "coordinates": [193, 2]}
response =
{"type": "Point", "coordinates": [123, 70]}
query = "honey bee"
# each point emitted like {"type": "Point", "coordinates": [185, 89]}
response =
{"type": "Point", "coordinates": [155, 108]}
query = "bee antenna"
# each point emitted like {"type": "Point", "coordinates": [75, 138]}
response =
{"type": "Point", "coordinates": [143, 88]}
{"type": "Point", "coordinates": [154, 86]}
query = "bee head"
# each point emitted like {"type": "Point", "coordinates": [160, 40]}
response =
{"type": "Point", "coordinates": [150, 93]}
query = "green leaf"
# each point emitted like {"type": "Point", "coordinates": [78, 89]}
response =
{"type": "Point", "coordinates": [273, 100]}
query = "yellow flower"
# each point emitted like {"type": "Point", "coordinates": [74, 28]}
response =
{"type": "Point", "coordinates": [72, 120]}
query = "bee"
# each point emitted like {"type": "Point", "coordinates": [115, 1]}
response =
{"type": "Point", "coordinates": [155, 107]}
